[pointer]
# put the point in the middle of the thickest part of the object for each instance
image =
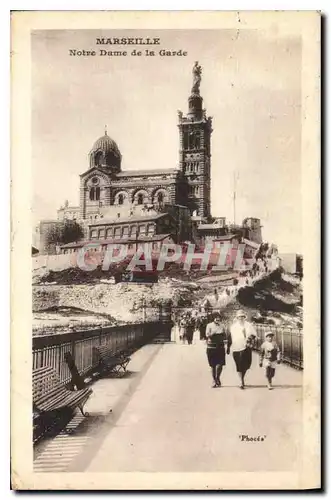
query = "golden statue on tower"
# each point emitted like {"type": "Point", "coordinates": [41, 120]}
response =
{"type": "Point", "coordinates": [197, 70]}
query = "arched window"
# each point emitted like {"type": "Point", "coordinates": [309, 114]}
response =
{"type": "Point", "coordinates": [186, 139]}
{"type": "Point", "coordinates": [140, 199]}
{"type": "Point", "coordinates": [120, 199]}
{"type": "Point", "coordinates": [160, 197]}
{"type": "Point", "coordinates": [94, 193]}
{"type": "Point", "coordinates": [98, 158]}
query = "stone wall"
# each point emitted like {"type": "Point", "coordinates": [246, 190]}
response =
{"type": "Point", "coordinates": [53, 262]}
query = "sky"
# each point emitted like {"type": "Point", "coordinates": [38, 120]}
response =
{"type": "Point", "coordinates": [251, 86]}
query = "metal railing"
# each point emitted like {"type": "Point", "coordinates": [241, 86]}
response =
{"type": "Point", "coordinates": [51, 349]}
{"type": "Point", "coordinates": [289, 340]}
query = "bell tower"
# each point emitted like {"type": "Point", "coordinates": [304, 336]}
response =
{"type": "Point", "coordinates": [195, 130]}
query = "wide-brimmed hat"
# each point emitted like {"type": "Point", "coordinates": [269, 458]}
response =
{"type": "Point", "coordinates": [241, 313]}
{"type": "Point", "coordinates": [269, 332]}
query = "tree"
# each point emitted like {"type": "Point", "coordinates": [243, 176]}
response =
{"type": "Point", "coordinates": [72, 231]}
{"type": "Point", "coordinates": [54, 234]}
{"type": "Point", "coordinates": [62, 233]}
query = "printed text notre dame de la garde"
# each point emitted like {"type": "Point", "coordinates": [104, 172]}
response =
{"type": "Point", "coordinates": [120, 47]}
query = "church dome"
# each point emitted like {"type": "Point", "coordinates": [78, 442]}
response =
{"type": "Point", "coordinates": [106, 154]}
{"type": "Point", "coordinates": [107, 145]}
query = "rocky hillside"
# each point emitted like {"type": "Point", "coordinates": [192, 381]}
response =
{"type": "Point", "coordinates": [62, 305]}
{"type": "Point", "coordinates": [68, 298]}
{"type": "Point", "coordinates": [275, 300]}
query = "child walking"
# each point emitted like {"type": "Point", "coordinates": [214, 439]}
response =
{"type": "Point", "coordinates": [270, 355]}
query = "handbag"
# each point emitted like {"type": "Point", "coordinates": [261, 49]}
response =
{"type": "Point", "coordinates": [250, 341]}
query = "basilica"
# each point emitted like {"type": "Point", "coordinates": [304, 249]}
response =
{"type": "Point", "coordinates": [105, 184]}
{"type": "Point", "coordinates": [119, 203]}
{"type": "Point", "coordinates": [137, 204]}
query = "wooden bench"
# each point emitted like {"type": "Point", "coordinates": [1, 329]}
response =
{"type": "Point", "coordinates": [112, 361]}
{"type": "Point", "coordinates": [50, 394]}
{"type": "Point", "coordinates": [126, 352]}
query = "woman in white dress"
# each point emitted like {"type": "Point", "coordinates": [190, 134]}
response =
{"type": "Point", "coordinates": [241, 339]}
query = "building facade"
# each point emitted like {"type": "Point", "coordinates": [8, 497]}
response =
{"type": "Point", "coordinates": [132, 227]}
{"type": "Point", "coordinates": [253, 229]}
{"type": "Point", "coordinates": [116, 203]}
{"type": "Point", "coordinates": [105, 184]}
{"type": "Point", "coordinates": [153, 243]}
{"type": "Point", "coordinates": [68, 212]}
{"type": "Point", "coordinates": [112, 199]}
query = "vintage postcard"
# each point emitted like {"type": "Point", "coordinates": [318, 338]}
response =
{"type": "Point", "coordinates": [165, 250]}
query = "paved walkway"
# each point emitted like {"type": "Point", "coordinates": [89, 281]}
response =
{"type": "Point", "coordinates": [57, 454]}
{"type": "Point", "coordinates": [167, 418]}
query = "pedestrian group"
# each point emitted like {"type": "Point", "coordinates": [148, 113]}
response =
{"type": "Point", "coordinates": [240, 338]}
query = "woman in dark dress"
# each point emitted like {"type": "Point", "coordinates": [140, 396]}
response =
{"type": "Point", "coordinates": [202, 325]}
{"type": "Point", "coordinates": [190, 328]}
{"type": "Point", "coordinates": [216, 340]}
